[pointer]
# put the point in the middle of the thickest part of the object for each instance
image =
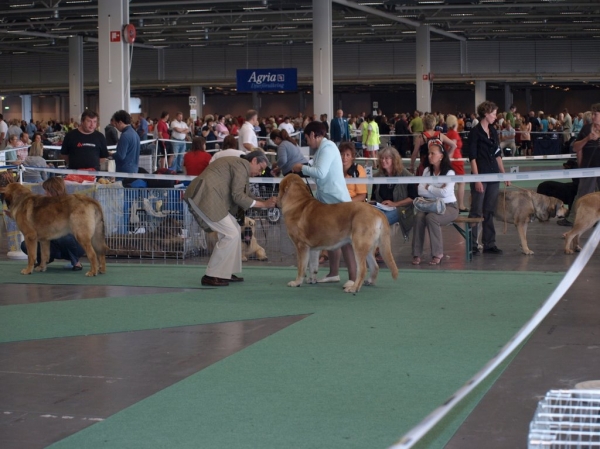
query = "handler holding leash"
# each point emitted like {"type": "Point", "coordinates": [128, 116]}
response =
{"type": "Point", "coordinates": [214, 198]}
{"type": "Point", "coordinates": [328, 172]}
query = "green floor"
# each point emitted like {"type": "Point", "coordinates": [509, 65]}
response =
{"type": "Point", "coordinates": [357, 373]}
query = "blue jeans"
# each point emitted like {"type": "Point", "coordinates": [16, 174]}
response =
{"type": "Point", "coordinates": [392, 216]}
{"type": "Point", "coordinates": [178, 152]}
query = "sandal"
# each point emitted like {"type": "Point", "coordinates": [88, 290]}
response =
{"type": "Point", "coordinates": [436, 260]}
{"type": "Point", "coordinates": [416, 260]}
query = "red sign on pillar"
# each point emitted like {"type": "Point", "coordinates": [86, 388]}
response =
{"type": "Point", "coordinates": [115, 36]}
{"type": "Point", "coordinates": [425, 77]}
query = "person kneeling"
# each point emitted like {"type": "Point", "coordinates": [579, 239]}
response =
{"type": "Point", "coordinates": [437, 164]}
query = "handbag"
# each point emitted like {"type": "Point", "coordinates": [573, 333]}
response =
{"type": "Point", "coordinates": [429, 205]}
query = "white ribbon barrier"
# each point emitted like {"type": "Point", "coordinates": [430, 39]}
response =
{"type": "Point", "coordinates": [417, 432]}
{"type": "Point", "coordinates": [492, 177]}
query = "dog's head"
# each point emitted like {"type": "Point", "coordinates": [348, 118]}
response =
{"type": "Point", "coordinates": [248, 230]}
{"type": "Point", "coordinates": [12, 192]}
{"type": "Point", "coordinates": [290, 182]}
{"type": "Point", "coordinates": [549, 207]}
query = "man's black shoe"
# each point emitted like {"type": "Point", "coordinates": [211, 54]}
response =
{"type": "Point", "coordinates": [492, 250]}
{"type": "Point", "coordinates": [213, 282]}
{"type": "Point", "coordinates": [564, 222]}
{"type": "Point", "coordinates": [475, 251]}
{"type": "Point", "coordinates": [234, 278]}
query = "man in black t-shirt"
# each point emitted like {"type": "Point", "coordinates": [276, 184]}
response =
{"type": "Point", "coordinates": [85, 147]}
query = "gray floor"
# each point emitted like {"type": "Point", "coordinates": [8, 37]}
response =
{"type": "Point", "coordinates": [561, 353]}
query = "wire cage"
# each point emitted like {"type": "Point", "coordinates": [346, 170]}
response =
{"type": "Point", "coordinates": [149, 223]}
{"type": "Point", "coordinates": [566, 419]}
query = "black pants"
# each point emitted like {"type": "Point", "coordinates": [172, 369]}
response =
{"type": "Point", "coordinates": [483, 204]}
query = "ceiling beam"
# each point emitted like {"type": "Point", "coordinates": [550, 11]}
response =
{"type": "Point", "coordinates": [393, 17]}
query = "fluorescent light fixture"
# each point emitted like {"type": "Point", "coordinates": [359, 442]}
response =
{"type": "Point", "coordinates": [516, 13]}
{"type": "Point", "coordinates": [591, 29]}
{"type": "Point", "coordinates": [571, 13]}
{"type": "Point", "coordinates": [297, 19]}
{"type": "Point", "coordinates": [393, 40]}
{"type": "Point", "coordinates": [253, 8]}
{"type": "Point", "coordinates": [195, 31]}
{"type": "Point", "coordinates": [286, 27]}
{"type": "Point", "coordinates": [152, 32]}
{"type": "Point", "coordinates": [22, 5]}
{"type": "Point", "coordinates": [162, 39]}
{"type": "Point", "coordinates": [456, 31]}
{"type": "Point", "coordinates": [337, 26]}
{"type": "Point", "coordinates": [532, 21]}
{"type": "Point", "coordinates": [42, 18]}
{"type": "Point", "coordinates": [558, 37]}
{"type": "Point", "coordinates": [26, 38]}
{"type": "Point", "coordinates": [241, 29]}
{"type": "Point", "coordinates": [430, 2]}
{"type": "Point", "coordinates": [90, 15]}
{"type": "Point", "coordinates": [202, 23]}
{"type": "Point", "coordinates": [355, 17]}
{"type": "Point", "coordinates": [60, 29]}
{"type": "Point", "coordinates": [408, 16]}
{"type": "Point", "coordinates": [409, 32]}
{"type": "Point", "coordinates": [462, 14]}
{"type": "Point", "coordinates": [197, 45]}
{"type": "Point", "coordinates": [17, 53]}
{"type": "Point", "coordinates": [238, 37]}
{"type": "Point", "coordinates": [583, 21]}
{"type": "Point", "coordinates": [483, 23]}
{"type": "Point", "coordinates": [261, 20]}
{"type": "Point", "coordinates": [366, 33]}
{"type": "Point", "coordinates": [41, 45]}
{"type": "Point", "coordinates": [381, 25]}
{"type": "Point", "coordinates": [200, 10]}
{"type": "Point", "coordinates": [72, 2]}
{"type": "Point", "coordinates": [196, 38]}
{"type": "Point", "coordinates": [500, 30]}
{"type": "Point", "coordinates": [370, 3]}
{"type": "Point", "coordinates": [280, 35]}
{"type": "Point", "coordinates": [236, 44]}
{"type": "Point", "coordinates": [274, 43]}
{"type": "Point", "coordinates": [142, 13]}
{"type": "Point", "coordinates": [353, 40]}
{"type": "Point", "coordinates": [477, 38]}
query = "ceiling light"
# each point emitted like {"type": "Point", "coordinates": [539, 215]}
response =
{"type": "Point", "coordinates": [241, 29]}
{"type": "Point", "coordinates": [465, 14]}
{"type": "Point", "coordinates": [482, 23]}
{"type": "Point", "coordinates": [279, 35]}
{"type": "Point", "coordinates": [582, 21]}
{"type": "Point", "coordinates": [337, 26]}
{"type": "Point", "coordinates": [430, 2]}
{"type": "Point", "coordinates": [370, 3]}
{"type": "Point", "coordinates": [72, 2]}
{"type": "Point", "coordinates": [295, 19]}
{"type": "Point", "coordinates": [287, 27]}
{"type": "Point", "coordinates": [558, 37]}
{"type": "Point", "coordinates": [152, 32]}
{"type": "Point", "coordinates": [60, 29]}
{"type": "Point", "coordinates": [381, 25]}
{"type": "Point", "coordinates": [41, 45]}
{"type": "Point", "coordinates": [591, 29]}
{"type": "Point", "coordinates": [571, 13]}
{"type": "Point", "coordinates": [236, 44]}
{"type": "Point", "coordinates": [42, 18]}
{"type": "Point", "coordinates": [353, 40]}
{"type": "Point", "coordinates": [142, 13]}
{"type": "Point", "coordinates": [162, 39]}
{"type": "Point", "coordinates": [199, 10]}
{"type": "Point", "coordinates": [273, 43]}
{"type": "Point", "coordinates": [22, 5]}
{"type": "Point", "coordinates": [253, 8]}
{"type": "Point", "coordinates": [393, 40]}
{"type": "Point", "coordinates": [409, 32]}
{"type": "Point", "coordinates": [26, 38]}
{"type": "Point", "coordinates": [355, 17]}
{"type": "Point", "coordinates": [202, 23]}
{"type": "Point", "coordinates": [477, 38]}
{"type": "Point", "coordinates": [262, 20]}
{"type": "Point", "coordinates": [195, 31]}
{"type": "Point", "coordinates": [196, 38]}
{"type": "Point", "coordinates": [408, 16]}
{"type": "Point", "coordinates": [516, 13]}
{"type": "Point", "coordinates": [238, 37]}
{"type": "Point", "coordinates": [91, 15]}
{"type": "Point", "coordinates": [17, 53]}
{"type": "Point", "coordinates": [532, 21]}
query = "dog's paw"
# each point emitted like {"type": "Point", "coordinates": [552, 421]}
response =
{"type": "Point", "coordinates": [90, 273]}
{"type": "Point", "coordinates": [39, 268]}
{"type": "Point", "coordinates": [26, 271]}
{"type": "Point", "coordinates": [244, 259]}
{"type": "Point", "coordinates": [311, 280]}
{"type": "Point", "coordinates": [527, 252]}
{"type": "Point", "coordinates": [568, 251]}
{"type": "Point", "coordinates": [351, 289]}
{"type": "Point", "coordinates": [578, 249]}
{"type": "Point", "coordinates": [294, 284]}
{"type": "Point", "coordinates": [369, 283]}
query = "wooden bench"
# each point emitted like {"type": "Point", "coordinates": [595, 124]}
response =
{"type": "Point", "coordinates": [462, 225]}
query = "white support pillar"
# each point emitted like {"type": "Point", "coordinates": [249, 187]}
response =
{"type": "Point", "coordinates": [423, 69]}
{"type": "Point", "coordinates": [480, 95]}
{"type": "Point", "coordinates": [76, 99]}
{"type": "Point", "coordinates": [464, 61]}
{"type": "Point", "coordinates": [26, 109]}
{"type": "Point", "coordinates": [196, 91]}
{"type": "Point", "coordinates": [113, 59]}
{"type": "Point", "coordinates": [57, 109]}
{"type": "Point", "coordinates": [322, 58]}
{"type": "Point", "coordinates": [508, 97]}
{"type": "Point", "coordinates": [256, 102]}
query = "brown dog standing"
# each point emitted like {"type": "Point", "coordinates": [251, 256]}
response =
{"type": "Point", "coordinates": [587, 215]}
{"type": "Point", "coordinates": [313, 226]}
{"type": "Point", "coordinates": [44, 218]}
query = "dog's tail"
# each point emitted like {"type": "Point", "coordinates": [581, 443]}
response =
{"type": "Point", "coordinates": [385, 248]}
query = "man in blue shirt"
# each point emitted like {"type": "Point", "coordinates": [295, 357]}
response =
{"type": "Point", "coordinates": [143, 128]}
{"type": "Point", "coordinates": [128, 148]}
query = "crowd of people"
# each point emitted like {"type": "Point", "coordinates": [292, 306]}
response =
{"type": "Point", "coordinates": [440, 142]}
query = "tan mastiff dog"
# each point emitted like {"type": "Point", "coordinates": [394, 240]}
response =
{"type": "Point", "coordinates": [588, 214]}
{"type": "Point", "coordinates": [520, 207]}
{"type": "Point", "coordinates": [43, 218]}
{"type": "Point", "coordinates": [313, 226]}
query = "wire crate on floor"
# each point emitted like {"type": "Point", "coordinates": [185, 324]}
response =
{"type": "Point", "coordinates": [151, 223]}
{"type": "Point", "coordinates": [566, 419]}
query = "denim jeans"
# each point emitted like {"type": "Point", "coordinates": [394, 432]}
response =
{"type": "Point", "coordinates": [178, 152]}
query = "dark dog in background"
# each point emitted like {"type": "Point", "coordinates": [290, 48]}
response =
{"type": "Point", "coordinates": [564, 191]}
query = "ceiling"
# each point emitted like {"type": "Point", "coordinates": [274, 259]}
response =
{"type": "Point", "coordinates": [44, 25]}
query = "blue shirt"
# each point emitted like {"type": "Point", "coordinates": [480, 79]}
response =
{"type": "Point", "coordinates": [328, 172]}
{"type": "Point", "coordinates": [144, 126]}
{"type": "Point", "coordinates": [128, 151]}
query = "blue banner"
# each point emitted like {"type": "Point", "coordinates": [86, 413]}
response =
{"type": "Point", "coordinates": [267, 80]}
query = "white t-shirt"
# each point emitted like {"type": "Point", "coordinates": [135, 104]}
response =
{"type": "Point", "coordinates": [288, 127]}
{"type": "Point", "coordinates": [225, 153]}
{"type": "Point", "coordinates": [178, 124]}
{"type": "Point", "coordinates": [247, 135]}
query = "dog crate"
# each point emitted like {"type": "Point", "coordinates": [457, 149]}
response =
{"type": "Point", "coordinates": [566, 419]}
{"type": "Point", "coordinates": [153, 223]}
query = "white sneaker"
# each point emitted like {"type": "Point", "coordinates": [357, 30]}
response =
{"type": "Point", "coordinates": [328, 279]}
